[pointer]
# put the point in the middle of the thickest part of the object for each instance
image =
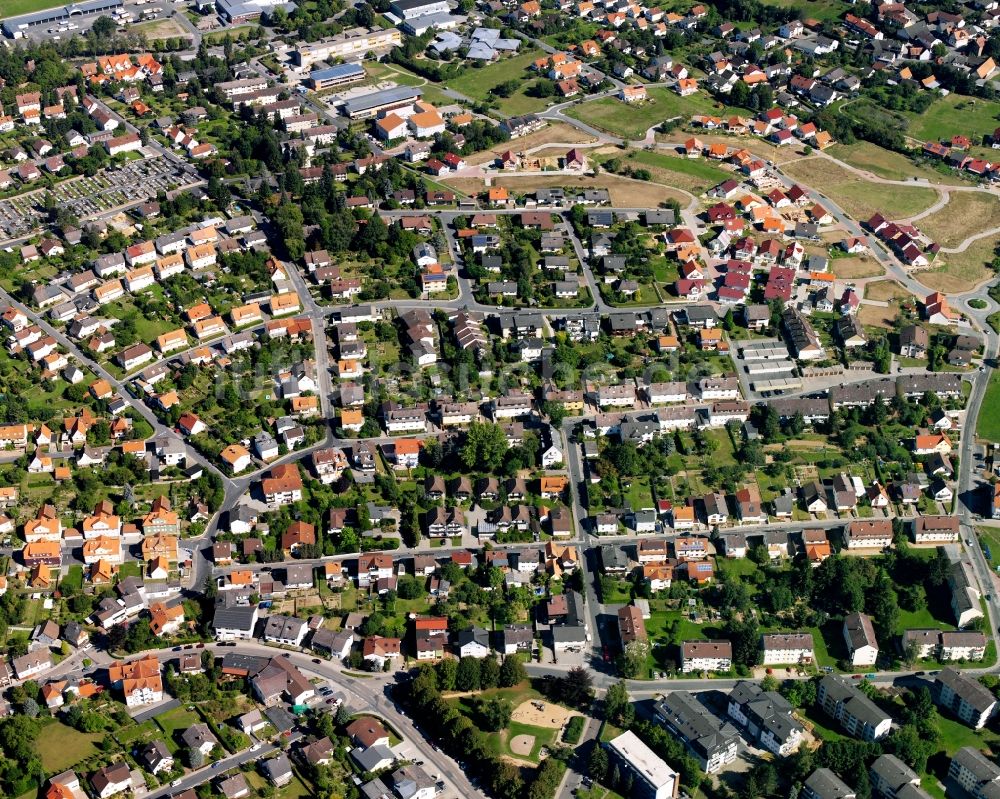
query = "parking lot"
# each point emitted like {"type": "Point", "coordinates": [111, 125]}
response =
{"type": "Point", "coordinates": [132, 182]}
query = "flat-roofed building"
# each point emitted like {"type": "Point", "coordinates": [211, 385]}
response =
{"type": "Point", "coordinates": [369, 105]}
{"type": "Point", "coordinates": [651, 777]}
{"type": "Point", "coordinates": [337, 75]}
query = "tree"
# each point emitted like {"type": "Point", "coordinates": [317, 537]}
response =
{"type": "Point", "coordinates": [618, 708]}
{"type": "Point", "coordinates": [409, 587]}
{"type": "Point", "coordinates": [485, 446]}
{"type": "Point", "coordinates": [632, 661]}
{"type": "Point", "coordinates": [496, 713]}
{"type": "Point", "coordinates": [556, 413]}
{"type": "Point", "coordinates": [762, 781]}
{"type": "Point", "coordinates": [505, 780]}
{"type": "Point", "coordinates": [195, 758]}
{"type": "Point", "coordinates": [577, 687]}
{"type": "Point", "coordinates": [467, 675]}
{"type": "Point", "coordinates": [911, 747]}
{"type": "Point", "coordinates": [489, 673]}
{"type": "Point", "coordinates": [597, 767]}
{"type": "Point", "coordinates": [446, 672]}
{"type": "Point", "coordinates": [512, 672]}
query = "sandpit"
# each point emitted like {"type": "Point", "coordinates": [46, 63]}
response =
{"type": "Point", "coordinates": [541, 714]}
{"type": "Point", "coordinates": [522, 745]}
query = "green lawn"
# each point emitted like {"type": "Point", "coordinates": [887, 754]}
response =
{"type": "Point", "coordinates": [954, 735]}
{"type": "Point", "coordinates": [177, 720]}
{"type": "Point", "coordinates": [379, 72]}
{"type": "Point", "coordinates": [61, 747]}
{"type": "Point", "coordinates": [736, 567]}
{"type": "Point", "coordinates": [639, 495]}
{"type": "Point", "coordinates": [955, 114]}
{"type": "Point", "coordinates": [130, 569]}
{"type": "Point", "coordinates": [921, 619]}
{"type": "Point", "coordinates": [544, 736]}
{"type": "Point", "coordinates": [823, 726]}
{"type": "Point", "coordinates": [632, 122]}
{"type": "Point", "coordinates": [141, 733]}
{"type": "Point", "coordinates": [294, 790]}
{"type": "Point", "coordinates": [522, 103]}
{"type": "Point", "coordinates": [694, 167]}
{"type": "Point", "coordinates": [988, 424]}
{"type": "Point", "coordinates": [477, 83]}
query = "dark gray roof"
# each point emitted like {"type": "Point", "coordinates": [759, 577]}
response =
{"type": "Point", "coordinates": [824, 784]}
{"type": "Point", "coordinates": [704, 733]}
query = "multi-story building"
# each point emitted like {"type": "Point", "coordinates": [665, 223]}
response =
{"type": "Point", "coordinates": [859, 635]}
{"type": "Point", "coordinates": [706, 656]}
{"type": "Point", "coordinates": [710, 740]}
{"type": "Point", "coordinates": [766, 716]}
{"type": "Point", "coordinates": [824, 784]}
{"type": "Point", "coordinates": [857, 714]}
{"type": "Point", "coordinates": [786, 648]}
{"type": "Point", "coordinates": [651, 777]}
{"type": "Point", "coordinates": [975, 773]}
{"type": "Point", "coordinates": [965, 696]}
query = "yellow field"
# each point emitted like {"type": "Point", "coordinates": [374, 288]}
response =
{"type": "Point", "coordinates": [860, 198]}
{"type": "Point", "coordinates": [966, 214]}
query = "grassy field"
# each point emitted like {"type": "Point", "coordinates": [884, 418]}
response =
{"type": "Point", "coordinates": [632, 122]}
{"type": "Point", "coordinates": [220, 36]}
{"type": "Point", "coordinates": [694, 175]}
{"type": "Point", "coordinates": [966, 214]}
{"type": "Point", "coordinates": [955, 735]}
{"type": "Point", "coordinates": [378, 71]}
{"type": "Point", "coordinates": [962, 271]}
{"type": "Point", "coordinates": [61, 747]}
{"type": "Point", "coordinates": [988, 424]}
{"type": "Point", "coordinates": [478, 83]}
{"type": "Point", "coordinates": [855, 267]}
{"type": "Point", "coordinates": [544, 736]}
{"type": "Point", "coordinates": [919, 619]}
{"type": "Point", "coordinates": [14, 8]}
{"type": "Point", "coordinates": [860, 198]}
{"type": "Point", "coordinates": [989, 536]}
{"type": "Point", "coordinates": [887, 164]}
{"type": "Point", "coordinates": [954, 114]}
{"type": "Point", "coordinates": [815, 9]}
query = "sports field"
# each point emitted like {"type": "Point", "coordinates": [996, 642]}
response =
{"type": "Point", "coordinates": [15, 8]}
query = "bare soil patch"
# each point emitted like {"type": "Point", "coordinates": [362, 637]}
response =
{"type": "Point", "coordinates": [856, 267]}
{"type": "Point", "coordinates": [541, 714]}
{"type": "Point", "coordinates": [885, 291]}
{"type": "Point", "coordinates": [522, 744]}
